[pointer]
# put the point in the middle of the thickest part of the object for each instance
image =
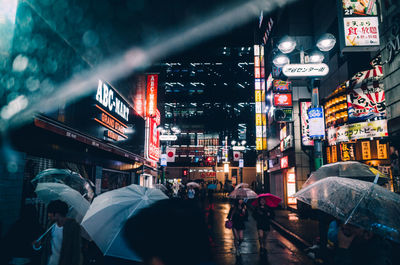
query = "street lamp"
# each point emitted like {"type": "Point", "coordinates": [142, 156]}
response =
{"type": "Point", "coordinates": [326, 42]}
{"type": "Point", "coordinates": [287, 44]}
{"type": "Point", "coordinates": [244, 142]}
{"type": "Point", "coordinates": [233, 142]}
{"type": "Point", "coordinates": [280, 60]}
{"type": "Point", "coordinates": [316, 57]}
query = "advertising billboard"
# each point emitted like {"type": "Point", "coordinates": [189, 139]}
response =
{"type": "Point", "coordinates": [281, 86]}
{"type": "Point", "coordinates": [283, 100]}
{"type": "Point", "coordinates": [259, 85]}
{"type": "Point", "coordinates": [358, 25]}
{"type": "Point", "coordinates": [305, 127]}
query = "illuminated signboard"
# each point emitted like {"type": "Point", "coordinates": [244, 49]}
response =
{"type": "Point", "coordinates": [334, 154]}
{"type": "Point", "coordinates": [361, 130]}
{"type": "Point", "coordinates": [153, 137]}
{"type": "Point", "coordinates": [303, 70]}
{"type": "Point", "coordinates": [259, 84]}
{"type": "Point", "coordinates": [306, 140]}
{"type": "Point", "coordinates": [358, 25]}
{"type": "Point", "coordinates": [283, 100]}
{"type": "Point", "coordinates": [151, 101]}
{"type": "Point", "coordinates": [382, 150]}
{"type": "Point", "coordinates": [111, 101]}
{"type": "Point", "coordinates": [112, 109]}
{"type": "Point", "coordinates": [316, 122]}
{"type": "Point", "coordinates": [328, 155]}
{"type": "Point", "coordinates": [347, 152]}
{"type": "Point", "coordinates": [281, 86]}
{"type": "Point", "coordinates": [291, 188]}
{"type": "Point", "coordinates": [366, 150]}
{"type": "Point", "coordinates": [284, 162]}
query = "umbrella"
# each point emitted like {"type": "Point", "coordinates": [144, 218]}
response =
{"type": "Point", "coordinates": [357, 202]}
{"type": "Point", "coordinates": [67, 177]}
{"type": "Point", "coordinates": [270, 200]}
{"type": "Point", "coordinates": [212, 186]}
{"type": "Point", "coordinates": [108, 213]}
{"type": "Point", "coordinates": [244, 193]}
{"type": "Point", "coordinates": [78, 206]}
{"type": "Point", "coordinates": [349, 169]}
{"type": "Point", "coordinates": [193, 184]}
{"type": "Point", "coordinates": [241, 185]}
{"type": "Point", "coordinates": [161, 187]}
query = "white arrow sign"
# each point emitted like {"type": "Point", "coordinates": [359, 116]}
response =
{"type": "Point", "coordinates": [302, 70]}
{"type": "Point", "coordinates": [168, 137]}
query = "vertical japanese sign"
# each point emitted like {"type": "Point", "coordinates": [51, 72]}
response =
{"type": "Point", "coordinates": [366, 150]}
{"type": "Point", "coordinates": [305, 127]}
{"type": "Point", "coordinates": [153, 137]}
{"type": "Point", "coordinates": [382, 150]}
{"type": "Point", "coordinates": [334, 154]}
{"type": "Point", "coordinates": [316, 122]}
{"type": "Point", "coordinates": [328, 155]}
{"type": "Point", "coordinates": [291, 188]}
{"type": "Point", "coordinates": [347, 152]}
{"type": "Point", "coordinates": [151, 99]}
{"type": "Point", "coordinates": [358, 25]}
{"type": "Point", "coordinates": [259, 83]}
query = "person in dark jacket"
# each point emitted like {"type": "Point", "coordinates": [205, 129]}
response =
{"type": "Point", "coordinates": [16, 247]}
{"type": "Point", "coordinates": [62, 244]}
{"type": "Point", "coordinates": [185, 241]}
{"type": "Point", "coordinates": [263, 214]}
{"type": "Point", "coordinates": [238, 215]}
{"type": "Point", "coordinates": [356, 246]}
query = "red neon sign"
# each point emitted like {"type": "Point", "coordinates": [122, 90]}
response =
{"type": "Point", "coordinates": [153, 140]}
{"type": "Point", "coordinates": [284, 162]}
{"type": "Point", "coordinates": [151, 101]}
{"type": "Point", "coordinates": [283, 100]}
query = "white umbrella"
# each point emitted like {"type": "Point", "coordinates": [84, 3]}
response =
{"type": "Point", "coordinates": [241, 185]}
{"type": "Point", "coordinates": [244, 193]}
{"type": "Point", "coordinates": [108, 213]}
{"type": "Point", "coordinates": [78, 206]}
{"type": "Point", "coordinates": [193, 184]}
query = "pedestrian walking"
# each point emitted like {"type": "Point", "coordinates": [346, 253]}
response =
{"type": "Point", "coordinates": [191, 193]}
{"type": "Point", "coordinates": [62, 243]}
{"type": "Point", "coordinates": [238, 215]}
{"type": "Point", "coordinates": [263, 214]}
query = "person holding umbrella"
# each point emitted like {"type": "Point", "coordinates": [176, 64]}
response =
{"type": "Point", "coordinates": [263, 214]}
{"type": "Point", "coordinates": [238, 215]}
{"type": "Point", "coordinates": [62, 241]}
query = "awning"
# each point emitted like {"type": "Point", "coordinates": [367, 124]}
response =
{"type": "Point", "coordinates": [59, 128]}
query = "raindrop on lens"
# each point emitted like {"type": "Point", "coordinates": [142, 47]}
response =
{"type": "Point", "coordinates": [90, 38]}
{"type": "Point", "coordinates": [32, 84]}
{"type": "Point", "coordinates": [12, 167]}
{"type": "Point", "coordinates": [20, 63]}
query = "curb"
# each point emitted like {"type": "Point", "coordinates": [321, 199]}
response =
{"type": "Point", "coordinates": [290, 235]}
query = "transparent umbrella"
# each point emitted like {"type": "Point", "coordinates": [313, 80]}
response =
{"type": "Point", "coordinates": [161, 187]}
{"type": "Point", "coordinates": [241, 185]}
{"type": "Point", "coordinates": [348, 169]}
{"type": "Point", "coordinates": [193, 184]}
{"type": "Point", "coordinates": [78, 206]}
{"type": "Point", "coordinates": [243, 193]}
{"type": "Point", "coordinates": [357, 202]}
{"type": "Point", "coordinates": [108, 213]}
{"type": "Point", "coordinates": [67, 177]}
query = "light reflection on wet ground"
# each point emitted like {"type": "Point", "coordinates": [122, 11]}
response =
{"type": "Point", "coordinates": [280, 250]}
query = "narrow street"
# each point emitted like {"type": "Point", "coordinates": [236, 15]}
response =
{"type": "Point", "coordinates": [280, 250]}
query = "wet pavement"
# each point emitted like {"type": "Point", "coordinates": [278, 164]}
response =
{"type": "Point", "coordinates": [280, 250]}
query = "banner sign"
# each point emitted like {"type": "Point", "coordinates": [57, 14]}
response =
{"type": "Point", "coordinates": [305, 129]}
{"type": "Point", "coordinates": [304, 70]}
{"type": "Point", "coordinates": [366, 102]}
{"type": "Point", "coordinates": [316, 122]}
{"type": "Point", "coordinates": [283, 100]}
{"type": "Point", "coordinates": [359, 7]}
{"type": "Point", "coordinates": [362, 130]}
{"type": "Point", "coordinates": [382, 150]}
{"type": "Point", "coordinates": [281, 86]}
{"type": "Point", "coordinates": [151, 101]}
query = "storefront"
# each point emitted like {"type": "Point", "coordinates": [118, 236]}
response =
{"type": "Point", "coordinates": [355, 116]}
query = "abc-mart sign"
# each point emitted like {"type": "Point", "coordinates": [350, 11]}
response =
{"type": "Point", "coordinates": [305, 70]}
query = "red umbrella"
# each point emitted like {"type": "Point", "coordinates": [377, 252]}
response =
{"type": "Point", "coordinates": [270, 200]}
